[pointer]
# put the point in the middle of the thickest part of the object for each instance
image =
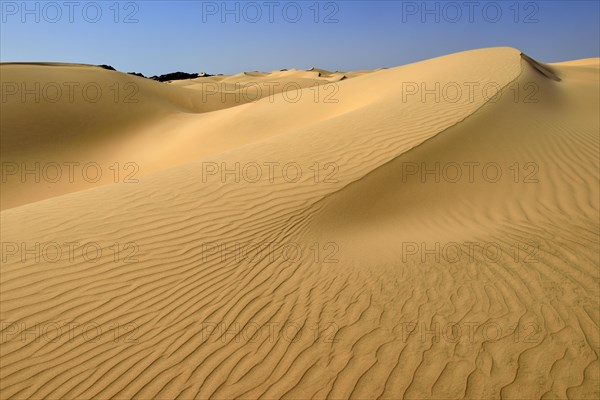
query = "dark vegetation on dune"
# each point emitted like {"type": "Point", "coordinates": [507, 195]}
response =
{"type": "Point", "coordinates": [173, 76]}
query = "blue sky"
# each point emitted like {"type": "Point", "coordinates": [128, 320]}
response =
{"type": "Point", "coordinates": [155, 37]}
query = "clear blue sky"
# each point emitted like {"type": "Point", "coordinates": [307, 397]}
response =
{"type": "Point", "coordinates": [155, 37]}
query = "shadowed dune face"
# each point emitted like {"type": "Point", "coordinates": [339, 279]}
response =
{"type": "Point", "coordinates": [431, 234]}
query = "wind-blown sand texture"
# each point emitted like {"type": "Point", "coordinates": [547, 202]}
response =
{"type": "Point", "coordinates": [354, 313]}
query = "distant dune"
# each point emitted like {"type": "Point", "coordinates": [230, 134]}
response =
{"type": "Point", "coordinates": [109, 117]}
{"type": "Point", "coordinates": [424, 231]}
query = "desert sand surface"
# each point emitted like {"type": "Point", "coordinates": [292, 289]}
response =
{"type": "Point", "coordinates": [393, 242]}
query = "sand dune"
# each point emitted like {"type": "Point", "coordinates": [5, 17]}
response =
{"type": "Point", "coordinates": [432, 233]}
{"type": "Point", "coordinates": [85, 114]}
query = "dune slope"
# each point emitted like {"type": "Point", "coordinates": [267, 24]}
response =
{"type": "Point", "coordinates": [74, 127]}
